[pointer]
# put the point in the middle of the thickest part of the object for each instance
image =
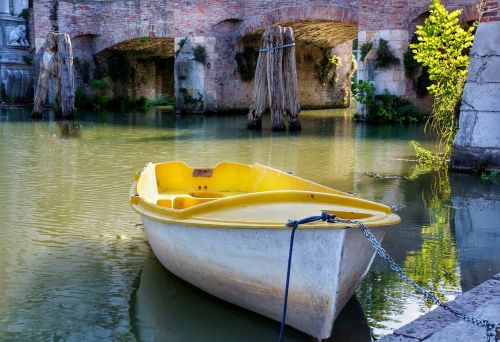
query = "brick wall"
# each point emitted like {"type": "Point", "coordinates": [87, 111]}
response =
{"type": "Point", "coordinates": [492, 11]}
{"type": "Point", "coordinates": [103, 24]}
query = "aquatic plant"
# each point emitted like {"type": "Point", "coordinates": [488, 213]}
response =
{"type": "Point", "coordinates": [426, 157]}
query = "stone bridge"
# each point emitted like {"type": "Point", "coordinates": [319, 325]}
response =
{"type": "Point", "coordinates": [135, 40]}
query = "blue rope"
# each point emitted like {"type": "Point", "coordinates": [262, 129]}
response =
{"type": "Point", "coordinates": [294, 224]}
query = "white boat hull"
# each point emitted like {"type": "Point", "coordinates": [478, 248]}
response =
{"type": "Point", "coordinates": [247, 267]}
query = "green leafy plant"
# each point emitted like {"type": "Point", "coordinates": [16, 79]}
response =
{"type": "Point", "coordinates": [385, 57]}
{"type": "Point", "coordinates": [200, 53]}
{"type": "Point", "coordinates": [99, 85]}
{"type": "Point", "coordinates": [181, 45]}
{"type": "Point", "coordinates": [441, 48]}
{"type": "Point", "coordinates": [161, 100]}
{"type": "Point", "coordinates": [325, 66]}
{"type": "Point", "coordinates": [27, 60]}
{"type": "Point", "coordinates": [144, 40]}
{"type": "Point", "coordinates": [364, 92]}
{"type": "Point", "coordinates": [492, 176]}
{"type": "Point", "coordinates": [365, 49]}
{"type": "Point", "coordinates": [427, 158]}
{"type": "Point", "coordinates": [246, 62]}
{"type": "Point", "coordinates": [386, 107]}
{"type": "Point", "coordinates": [25, 13]}
{"type": "Point", "coordinates": [423, 83]}
{"type": "Point", "coordinates": [411, 65]}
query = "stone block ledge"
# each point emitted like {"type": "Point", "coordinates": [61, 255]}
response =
{"type": "Point", "coordinates": [468, 158]}
{"type": "Point", "coordinates": [440, 325]}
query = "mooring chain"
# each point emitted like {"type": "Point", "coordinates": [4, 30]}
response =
{"type": "Point", "coordinates": [492, 329]}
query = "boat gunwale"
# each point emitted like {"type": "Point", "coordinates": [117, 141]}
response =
{"type": "Point", "coordinates": [186, 216]}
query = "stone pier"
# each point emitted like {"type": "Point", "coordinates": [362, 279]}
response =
{"type": "Point", "coordinates": [386, 21]}
{"type": "Point", "coordinates": [477, 145]}
{"type": "Point", "coordinates": [192, 75]}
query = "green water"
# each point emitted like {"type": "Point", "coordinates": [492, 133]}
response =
{"type": "Point", "coordinates": [75, 266]}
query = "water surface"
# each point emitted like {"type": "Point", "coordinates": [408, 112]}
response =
{"type": "Point", "coordinates": [75, 266]}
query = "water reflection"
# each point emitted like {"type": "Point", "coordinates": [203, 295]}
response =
{"type": "Point", "coordinates": [165, 308]}
{"type": "Point", "coordinates": [69, 129]}
{"type": "Point", "coordinates": [70, 255]}
{"type": "Point", "coordinates": [431, 258]}
{"type": "Point", "coordinates": [477, 213]}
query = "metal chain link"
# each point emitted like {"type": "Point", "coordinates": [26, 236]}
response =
{"type": "Point", "coordinates": [492, 329]}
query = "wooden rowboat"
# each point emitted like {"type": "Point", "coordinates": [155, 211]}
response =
{"type": "Point", "coordinates": [223, 230]}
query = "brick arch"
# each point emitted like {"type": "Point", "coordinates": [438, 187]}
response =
{"type": "Point", "coordinates": [469, 12]}
{"type": "Point", "coordinates": [110, 39]}
{"type": "Point", "coordinates": [330, 12]}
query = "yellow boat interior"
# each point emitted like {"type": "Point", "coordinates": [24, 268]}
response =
{"type": "Point", "coordinates": [239, 195]}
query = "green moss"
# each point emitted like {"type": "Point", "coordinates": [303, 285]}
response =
{"type": "Point", "coordinates": [144, 40]}
{"type": "Point", "coordinates": [385, 57]}
{"type": "Point", "coordinates": [247, 62]}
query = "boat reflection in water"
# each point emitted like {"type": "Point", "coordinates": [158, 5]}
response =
{"type": "Point", "coordinates": [166, 308]}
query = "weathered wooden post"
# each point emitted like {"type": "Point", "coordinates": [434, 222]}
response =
{"type": "Point", "coordinates": [55, 60]}
{"type": "Point", "coordinates": [292, 105]}
{"type": "Point", "coordinates": [259, 98]}
{"type": "Point", "coordinates": [275, 87]}
{"type": "Point", "coordinates": [276, 80]}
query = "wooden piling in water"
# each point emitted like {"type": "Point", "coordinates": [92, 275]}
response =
{"type": "Point", "coordinates": [55, 60]}
{"type": "Point", "coordinates": [259, 98]}
{"type": "Point", "coordinates": [292, 105]}
{"type": "Point", "coordinates": [275, 87]}
{"type": "Point", "coordinates": [276, 80]}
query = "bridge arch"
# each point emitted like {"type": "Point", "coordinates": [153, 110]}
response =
{"type": "Point", "coordinates": [311, 12]}
{"type": "Point", "coordinates": [469, 13]}
{"type": "Point", "coordinates": [317, 29]}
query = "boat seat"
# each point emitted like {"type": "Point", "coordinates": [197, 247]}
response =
{"type": "Point", "coordinates": [182, 201]}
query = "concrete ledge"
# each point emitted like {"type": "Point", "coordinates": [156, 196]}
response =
{"type": "Point", "coordinates": [467, 158]}
{"type": "Point", "coordinates": [483, 300]}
